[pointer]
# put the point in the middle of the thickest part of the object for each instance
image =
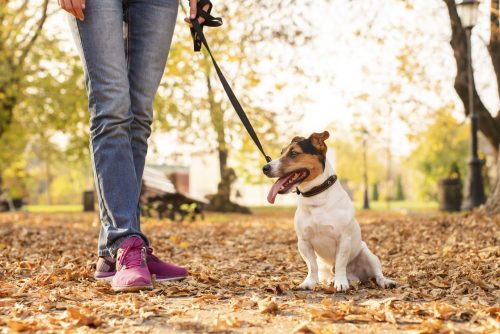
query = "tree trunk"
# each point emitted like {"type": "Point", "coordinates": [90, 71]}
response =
{"type": "Point", "coordinates": [221, 201]}
{"type": "Point", "coordinates": [8, 100]}
{"type": "Point", "coordinates": [493, 203]}
{"type": "Point", "coordinates": [46, 156]}
{"type": "Point", "coordinates": [488, 125]}
{"type": "Point", "coordinates": [494, 46]}
{"type": "Point", "coordinates": [49, 177]}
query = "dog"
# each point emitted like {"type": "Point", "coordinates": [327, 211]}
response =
{"type": "Point", "coordinates": [328, 234]}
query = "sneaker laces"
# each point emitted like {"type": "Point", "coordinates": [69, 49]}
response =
{"type": "Point", "coordinates": [133, 256]}
{"type": "Point", "coordinates": [149, 252]}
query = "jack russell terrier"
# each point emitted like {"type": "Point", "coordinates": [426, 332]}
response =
{"type": "Point", "coordinates": [327, 231]}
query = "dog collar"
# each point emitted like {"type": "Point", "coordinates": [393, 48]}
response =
{"type": "Point", "coordinates": [319, 189]}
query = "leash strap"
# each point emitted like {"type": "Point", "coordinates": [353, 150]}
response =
{"type": "Point", "coordinates": [199, 37]}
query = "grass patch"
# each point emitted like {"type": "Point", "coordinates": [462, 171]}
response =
{"type": "Point", "coordinates": [374, 205]}
{"type": "Point", "coordinates": [400, 205]}
{"type": "Point", "coordinates": [272, 209]}
{"type": "Point", "coordinates": [53, 208]}
{"type": "Point", "coordinates": [266, 209]}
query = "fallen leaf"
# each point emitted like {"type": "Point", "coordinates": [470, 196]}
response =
{"type": "Point", "coordinates": [268, 305]}
{"type": "Point", "coordinates": [303, 328]}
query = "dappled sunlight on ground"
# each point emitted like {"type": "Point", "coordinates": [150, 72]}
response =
{"type": "Point", "coordinates": [244, 271]}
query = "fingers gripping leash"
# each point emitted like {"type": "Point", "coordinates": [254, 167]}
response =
{"type": "Point", "coordinates": [210, 21]}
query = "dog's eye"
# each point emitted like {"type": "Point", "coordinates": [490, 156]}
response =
{"type": "Point", "coordinates": [293, 154]}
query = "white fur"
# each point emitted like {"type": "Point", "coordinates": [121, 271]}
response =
{"type": "Point", "coordinates": [275, 167]}
{"type": "Point", "coordinates": [328, 235]}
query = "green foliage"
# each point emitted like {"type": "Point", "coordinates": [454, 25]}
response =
{"type": "Point", "coordinates": [49, 120]}
{"type": "Point", "coordinates": [191, 102]}
{"type": "Point", "coordinates": [441, 146]}
{"type": "Point", "coordinates": [349, 165]}
{"type": "Point", "coordinates": [21, 25]}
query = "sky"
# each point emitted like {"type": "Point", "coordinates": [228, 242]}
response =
{"type": "Point", "coordinates": [354, 53]}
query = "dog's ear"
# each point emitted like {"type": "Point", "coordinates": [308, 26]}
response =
{"type": "Point", "coordinates": [297, 139]}
{"type": "Point", "coordinates": [318, 141]}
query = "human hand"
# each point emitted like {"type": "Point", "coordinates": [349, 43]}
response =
{"type": "Point", "coordinates": [74, 7]}
{"type": "Point", "coordinates": [192, 12]}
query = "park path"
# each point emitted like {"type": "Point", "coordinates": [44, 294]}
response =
{"type": "Point", "coordinates": [243, 276]}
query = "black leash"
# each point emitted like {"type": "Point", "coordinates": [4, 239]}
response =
{"type": "Point", "coordinates": [199, 39]}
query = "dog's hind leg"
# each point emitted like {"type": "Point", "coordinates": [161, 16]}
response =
{"type": "Point", "coordinates": [374, 268]}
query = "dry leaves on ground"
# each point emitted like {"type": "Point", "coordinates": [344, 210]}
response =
{"type": "Point", "coordinates": [244, 273]}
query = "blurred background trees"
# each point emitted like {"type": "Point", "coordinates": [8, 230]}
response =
{"type": "Point", "coordinates": [244, 48]}
{"type": "Point", "coordinates": [384, 66]}
{"type": "Point", "coordinates": [21, 25]}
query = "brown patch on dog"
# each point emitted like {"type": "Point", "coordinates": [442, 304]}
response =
{"type": "Point", "coordinates": [318, 141]}
{"type": "Point", "coordinates": [315, 166]}
{"type": "Point", "coordinates": [313, 163]}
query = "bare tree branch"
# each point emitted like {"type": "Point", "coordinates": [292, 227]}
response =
{"type": "Point", "coordinates": [26, 49]}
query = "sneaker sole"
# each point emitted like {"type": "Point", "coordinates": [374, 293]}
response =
{"type": "Point", "coordinates": [179, 278]}
{"type": "Point", "coordinates": [108, 278]}
{"type": "Point", "coordinates": [134, 288]}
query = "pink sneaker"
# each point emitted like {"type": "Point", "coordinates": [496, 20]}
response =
{"type": "Point", "coordinates": [164, 271]}
{"type": "Point", "coordinates": [132, 273]}
{"type": "Point", "coordinates": [106, 268]}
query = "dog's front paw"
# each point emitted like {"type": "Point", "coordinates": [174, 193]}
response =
{"type": "Point", "coordinates": [308, 284]}
{"type": "Point", "coordinates": [341, 284]}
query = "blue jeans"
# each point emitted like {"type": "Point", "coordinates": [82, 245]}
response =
{"type": "Point", "coordinates": [123, 45]}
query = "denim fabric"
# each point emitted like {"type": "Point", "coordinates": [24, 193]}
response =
{"type": "Point", "coordinates": [123, 46]}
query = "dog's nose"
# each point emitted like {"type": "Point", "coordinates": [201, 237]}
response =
{"type": "Point", "coordinates": [266, 169]}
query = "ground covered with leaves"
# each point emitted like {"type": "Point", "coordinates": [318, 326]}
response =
{"type": "Point", "coordinates": [244, 273]}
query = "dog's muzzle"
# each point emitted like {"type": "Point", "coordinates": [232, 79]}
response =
{"type": "Point", "coordinates": [266, 169]}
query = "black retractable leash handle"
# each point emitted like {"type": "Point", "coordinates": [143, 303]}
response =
{"type": "Point", "coordinates": [199, 39]}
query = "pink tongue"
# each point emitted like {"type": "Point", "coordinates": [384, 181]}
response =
{"type": "Point", "coordinates": [276, 188]}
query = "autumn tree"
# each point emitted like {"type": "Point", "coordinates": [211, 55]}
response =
{"type": "Point", "coordinates": [432, 158]}
{"type": "Point", "coordinates": [400, 87]}
{"type": "Point", "coordinates": [21, 24]}
{"type": "Point", "coordinates": [488, 122]}
{"type": "Point", "coordinates": [48, 89]}
{"type": "Point", "coordinates": [191, 100]}
{"type": "Point", "coordinates": [349, 164]}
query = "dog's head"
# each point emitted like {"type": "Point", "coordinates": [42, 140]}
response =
{"type": "Point", "coordinates": [301, 161]}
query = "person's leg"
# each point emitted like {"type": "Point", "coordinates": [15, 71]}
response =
{"type": "Point", "coordinates": [99, 39]}
{"type": "Point", "coordinates": [150, 27]}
